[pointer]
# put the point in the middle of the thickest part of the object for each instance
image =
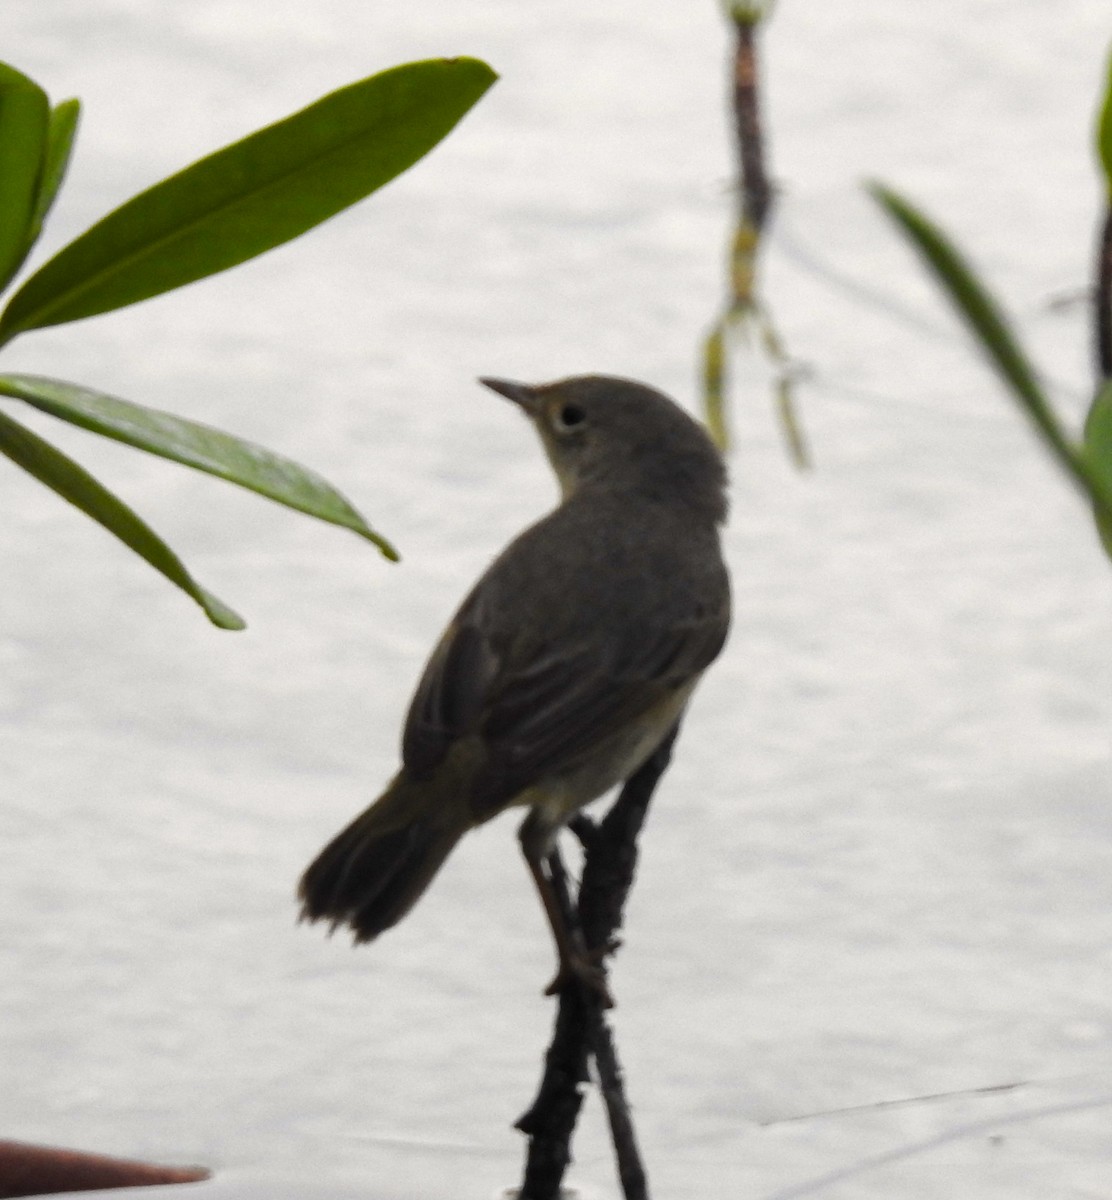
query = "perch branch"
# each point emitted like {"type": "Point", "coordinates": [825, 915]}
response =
{"type": "Point", "coordinates": [581, 1031]}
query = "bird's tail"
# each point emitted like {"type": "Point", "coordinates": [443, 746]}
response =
{"type": "Point", "coordinates": [373, 872]}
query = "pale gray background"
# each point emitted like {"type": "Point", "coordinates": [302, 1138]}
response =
{"type": "Point", "coordinates": [881, 866]}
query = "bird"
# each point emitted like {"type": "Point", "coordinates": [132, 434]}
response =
{"type": "Point", "coordinates": [571, 660]}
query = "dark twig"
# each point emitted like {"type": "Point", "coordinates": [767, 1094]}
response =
{"type": "Point", "coordinates": [631, 1170]}
{"type": "Point", "coordinates": [582, 1031]}
{"type": "Point", "coordinates": [1103, 313]}
{"type": "Point", "coordinates": [756, 193]}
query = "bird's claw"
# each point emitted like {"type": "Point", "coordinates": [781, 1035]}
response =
{"type": "Point", "coordinates": [585, 969]}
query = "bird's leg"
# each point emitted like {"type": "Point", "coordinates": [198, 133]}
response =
{"type": "Point", "coordinates": [577, 963]}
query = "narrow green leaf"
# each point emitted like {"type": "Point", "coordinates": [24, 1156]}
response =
{"type": "Point", "coordinates": [714, 385]}
{"type": "Point", "coordinates": [59, 145]}
{"type": "Point", "coordinates": [969, 296]}
{"type": "Point", "coordinates": [990, 328]}
{"type": "Point", "coordinates": [1104, 131]}
{"type": "Point", "coordinates": [1098, 452]}
{"type": "Point", "coordinates": [24, 118]}
{"type": "Point", "coordinates": [71, 481]}
{"type": "Point", "coordinates": [196, 445]}
{"type": "Point", "coordinates": [253, 195]}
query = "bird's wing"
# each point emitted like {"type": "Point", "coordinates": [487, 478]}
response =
{"type": "Point", "coordinates": [550, 715]}
{"type": "Point", "coordinates": [450, 696]}
{"type": "Point", "coordinates": [542, 712]}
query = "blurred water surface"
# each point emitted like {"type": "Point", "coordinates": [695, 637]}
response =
{"type": "Point", "coordinates": [881, 867]}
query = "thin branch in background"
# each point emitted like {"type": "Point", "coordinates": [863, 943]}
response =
{"type": "Point", "coordinates": [1103, 307]}
{"type": "Point", "coordinates": [756, 193]}
{"type": "Point", "coordinates": [1098, 423]}
{"type": "Point", "coordinates": [582, 1031]}
{"type": "Point", "coordinates": [744, 311]}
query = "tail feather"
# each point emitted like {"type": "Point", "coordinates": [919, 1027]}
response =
{"type": "Point", "coordinates": [373, 872]}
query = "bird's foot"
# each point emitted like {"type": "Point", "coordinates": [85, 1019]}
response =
{"type": "Point", "coordinates": [585, 969]}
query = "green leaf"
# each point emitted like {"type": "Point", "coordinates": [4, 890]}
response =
{"type": "Point", "coordinates": [71, 481]}
{"type": "Point", "coordinates": [253, 195]}
{"type": "Point", "coordinates": [59, 145]}
{"type": "Point", "coordinates": [990, 328]}
{"type": "Point", "coordinates": [1098, 452]}
{"type": "Point", "coordinates": [24, 118]}
{"type": "Point", "coordinates": [196, 445]}
{"type": "Point", "coordinates": [1104, 132]}
{"type": "Point", "coordinates": [714, 385]}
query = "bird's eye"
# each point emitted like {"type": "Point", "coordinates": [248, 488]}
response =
{"type": "Point", "coordinates": [568, 417]}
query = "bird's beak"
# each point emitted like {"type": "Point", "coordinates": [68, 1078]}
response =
{"type": "Point", "coordinates": [524, 396]}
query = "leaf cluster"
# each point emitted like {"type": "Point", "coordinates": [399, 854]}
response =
{"type": "Point", "coordinates": [230, 206]}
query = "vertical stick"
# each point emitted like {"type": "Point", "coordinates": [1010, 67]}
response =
{"type": "Point", "coordinates": [581, 1030]}
{"type": "Point", "coordinates": [1103, 306]}
{"type": "Point", "coordinates": [756, 194]}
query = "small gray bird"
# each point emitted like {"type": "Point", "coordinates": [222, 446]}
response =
{"type": "Point", "coordinates": [568, 664]}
